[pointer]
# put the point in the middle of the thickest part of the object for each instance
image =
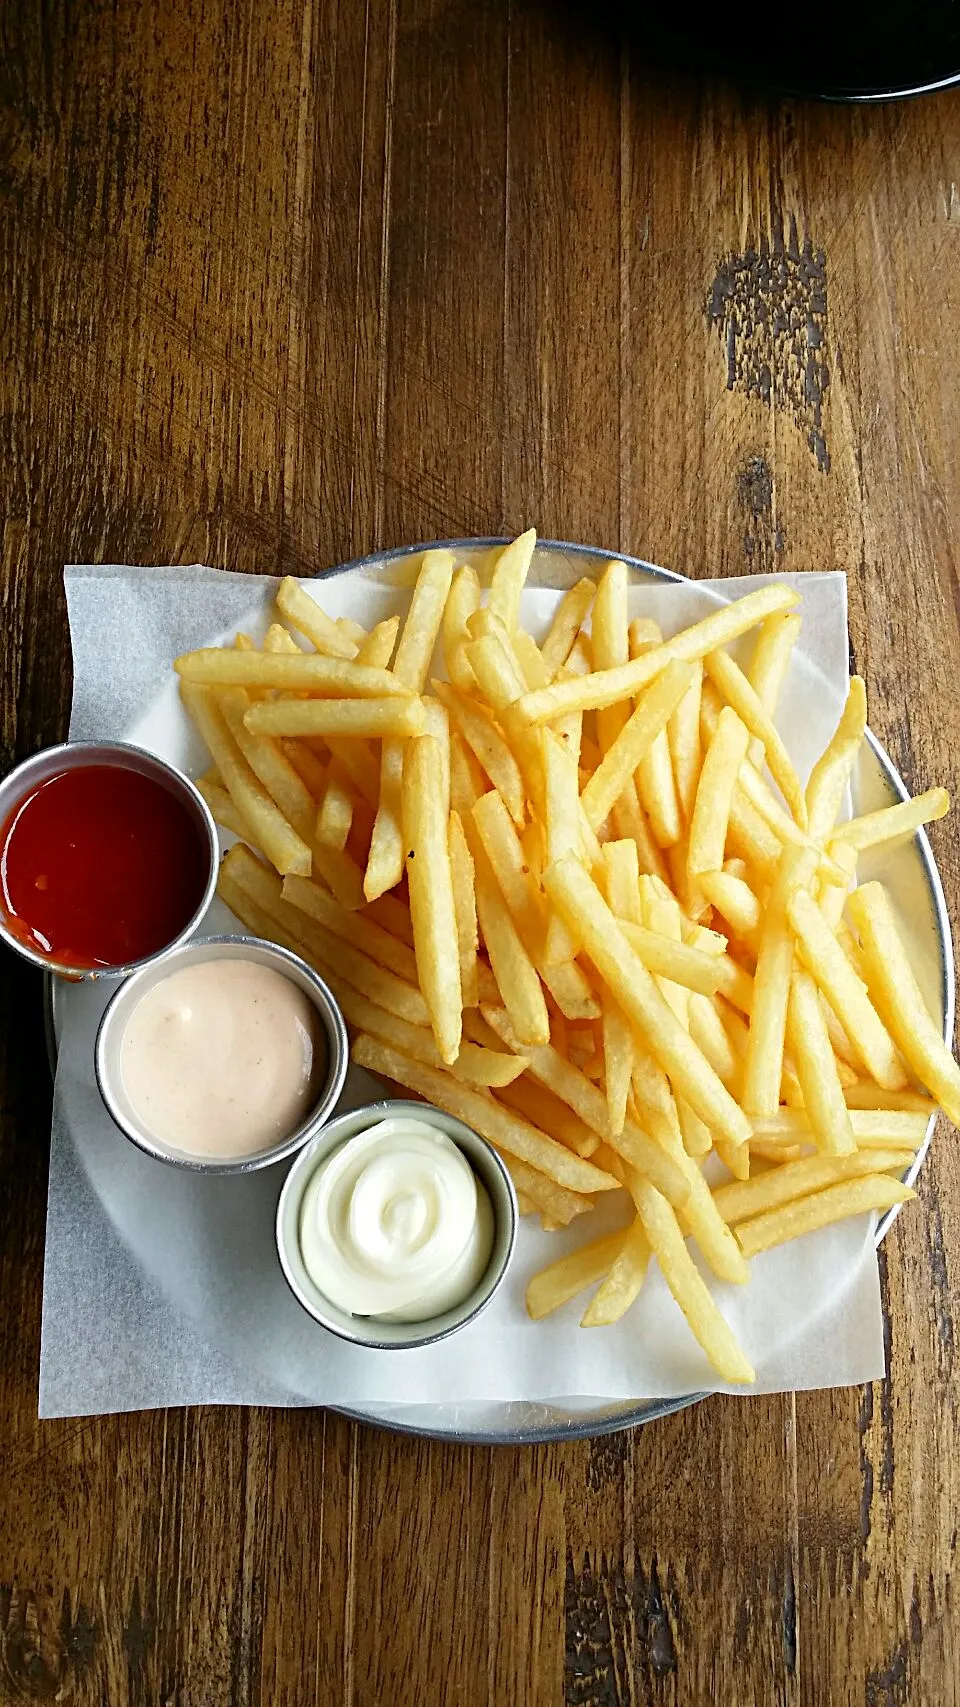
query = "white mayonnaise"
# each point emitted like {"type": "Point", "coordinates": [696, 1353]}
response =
{"type": "Point", "coordinates": [395, 1224]}
{"type": "Point", "coordinates": [223, 1058]}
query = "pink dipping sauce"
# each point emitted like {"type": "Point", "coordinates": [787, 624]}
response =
{"type": "Point", "coordinates": [224, 1058]}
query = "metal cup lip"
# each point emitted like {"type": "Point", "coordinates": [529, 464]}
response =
{"type": "Point", "coordinates": [70, 755]}
{"type": "Point", "coordinates": [123, 1001]}
{"type": "Point", "coordinates": [372, 1333]}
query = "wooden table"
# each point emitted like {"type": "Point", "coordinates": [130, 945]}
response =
{"type": "Point", "coordinates": [283, 283]}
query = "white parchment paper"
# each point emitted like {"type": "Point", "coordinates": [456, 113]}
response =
{"type": "Point", "coordinates": [162, 1288]}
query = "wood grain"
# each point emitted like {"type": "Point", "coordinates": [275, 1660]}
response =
{"type": "Point", "coordinates": [283, 284]}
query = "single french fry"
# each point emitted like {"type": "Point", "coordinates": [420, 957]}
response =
{"type": "Point", "coordinates": [712, 1039]}
{"type": "Point", "coordinates": [305, 672]}
{"type": "Point", "coordinates": [736, 690]}
{"type": "Point", "coordinates": [896, 995]}
{"type": "Point", "coordinates": [865, 1028]}
{"type": "Point", "coordinates": [809, 1040]}
{"type": "Point", "coordinates": [771, 986]}
{"type": "Point", "coordinates": [902, 820]}
{"type": "Point", "coordinates": [687, 1285]}
{"type": "Point", "coordinates": [895, 1127]}
{"type": "Point", "coordinates": [272, 831]}
{"type": "Point", "coordinates": [736, 901]}
{"type": "Point", "coordinates": [609, 637]}
{"type": "Point", "coordinates": [424, 617]}
{"type": "Point", "coordinates": [831, 773]}
{"type": "Point", "coordinates": [335, 816]}
{"type": "Point", "coordinates": [478, 1109]}
{"type": "Point", "coordinates": [355, 717]}
{"type": "Point", "coordinates": [430, 885]}
{"type": "Point", "coordinates": [462, 600]}
{"type": "Point", "coordinates": [560, 1281]}
{"type": "Point", "coordinates": [510, 573]}
{"type": "Point", "coordinates": [568, 619]}
{"type": "Point", "coordinates": [634, 741]}
{"type": "Point", "coordinates": [518, 886]}
{"type": "Point", "coordinates": [865, 1095]}
{"type": "Point", "coordinates": [690, 967]}
{"type": "Point", "coordinates": [655, 781]}
{"type": "Point", "coordinates": [683, 740]}
{"type": "Point", "coordinates": [305, 614]}
{"type": "Point", "coordinates": [741, 1200]}
{"type": "Point", "coordinates": [806, 1215]}
{"type": "Point", "coordinates": [376, 648]}
{"type": "Point", "coordinates": [357, 928]}
{"type": "Point", "coordinates": [580, 903]}
{"type": "Point", "coordinates": [465, 907]}
{"type": "Point", "coordinates": [606, 687]}
{"type": "Point", "coordinates": [715, 791]}
{"type": "Point", "coordinates": [623, 1283]}
{"type": "Point", "coordinates": [533, 669]}
{"type": "Point", "coordinates": [385, 859]}
{"type": "Point", "coordinates": [769, 664]}
{"type": "Point", "coordinates": [617, 1060]}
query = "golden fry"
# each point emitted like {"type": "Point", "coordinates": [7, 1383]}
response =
{"type": "Point", "coordinates": [364, 717]}
{"type": "Point", "coordinates": [465, 906]}
{"type": "Point", "coordinates": [831, 773]}
{"type": "Point", "coordinates": [807, 1214]}
{"type": "Point", "coordinates": [902, 820]}
{"type": "Point", "coordinates": [509, 575]}
{"type": "Point", "coordinates": [687, 1285]}
{"type": "Point", "coordinates": [743, 1199]}
{"type": "Point", "coordinates": [606, 687]}
{"type": "Point", "coordinates": [896, 993]}
{"type": "Point", "coordinates": [568, 619]}
{"type": "Point", "coordinates": [430, 885]}
{"type": "Point", "coordinates": [555, 1285]}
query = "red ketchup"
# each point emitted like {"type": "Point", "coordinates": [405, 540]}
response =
{"type": "Point", "coordinates": [100, 866]}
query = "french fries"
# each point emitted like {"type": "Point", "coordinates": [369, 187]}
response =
{"type": "Point", "coordinates": [430, 884]}
{"type": "Point", "coordinates": [555, 895]}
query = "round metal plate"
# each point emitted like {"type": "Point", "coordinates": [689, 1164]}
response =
{"type": "Point", "coordinates": [909, 870]}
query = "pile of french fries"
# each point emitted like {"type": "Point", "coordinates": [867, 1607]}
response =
{"type": "Point", "coordinates": [576, 894]}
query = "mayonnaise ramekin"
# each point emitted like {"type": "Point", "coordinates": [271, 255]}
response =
{"type": "Point", "coordinates": [121, 1007]}
{"type": "Point", "coordinates": [372, 1331]}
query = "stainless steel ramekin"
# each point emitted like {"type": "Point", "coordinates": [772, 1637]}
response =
{"type": "Point", "coordinates": [120, 1009]}
{"type": "Point", "coordinates": [73, 755]}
